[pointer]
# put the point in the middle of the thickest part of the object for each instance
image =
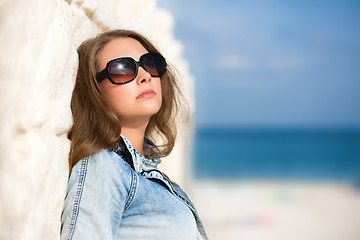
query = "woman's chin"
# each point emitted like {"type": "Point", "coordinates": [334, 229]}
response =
{"type": "Point", "coordinates": [151, 108]}
{"type": "Point", "coordinates": [152, 111]}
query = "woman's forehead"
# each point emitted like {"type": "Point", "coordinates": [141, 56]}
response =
{"type": "Point", "coordinates": [120, 47]}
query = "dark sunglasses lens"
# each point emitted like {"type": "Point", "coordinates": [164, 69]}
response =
{"type": "Point", "coordinates": [154, 63]}
{"type": "Point", "coordinates": [122, 70]}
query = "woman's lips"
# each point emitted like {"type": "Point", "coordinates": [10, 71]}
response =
{"type": "Point", "coordinates": [146, 94]}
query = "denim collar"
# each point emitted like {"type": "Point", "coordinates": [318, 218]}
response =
{"type": "Point", "coordinates": [140, 163]}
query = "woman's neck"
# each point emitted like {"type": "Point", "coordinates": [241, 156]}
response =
{"type": "Point", "coordinates": [135, 136]}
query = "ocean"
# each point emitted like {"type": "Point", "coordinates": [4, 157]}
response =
{"type": "Point", "coordinates": [277, 153]}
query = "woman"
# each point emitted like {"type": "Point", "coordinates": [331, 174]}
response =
{"type": "Point", "coordinates": [124, 95]}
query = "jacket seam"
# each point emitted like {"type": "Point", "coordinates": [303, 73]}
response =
{"type": "Point", "coordinates": [199, 224]}
{"type": "Point", "coordinates": [183, 197]}
{"type": "Point", "coordinates": [132, 192]}
{"type": "Point", "coordinates": [79, 191]}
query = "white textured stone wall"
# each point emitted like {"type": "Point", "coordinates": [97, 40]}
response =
{"type": "Point", "coordinates": [38, 42]}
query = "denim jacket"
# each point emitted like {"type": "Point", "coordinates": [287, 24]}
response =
{"type": "Point", "coordinates": [120, 194]}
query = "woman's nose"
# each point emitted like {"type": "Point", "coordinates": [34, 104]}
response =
{"type": "Point", "coordinates": [143, 75]}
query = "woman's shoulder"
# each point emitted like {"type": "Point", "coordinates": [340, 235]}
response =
{"type": "Point", "coordinates": [104, 165]}
{"type": "Point", "coordinates": [103, 160]}
{"type": "Point", "coordinates": [100, 184]}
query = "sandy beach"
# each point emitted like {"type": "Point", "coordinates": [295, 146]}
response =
{"type": "Point", "coordinates": [278, 210]}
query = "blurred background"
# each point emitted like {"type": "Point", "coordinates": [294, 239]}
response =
{"type": "Point", "coordinates": [277, 147]}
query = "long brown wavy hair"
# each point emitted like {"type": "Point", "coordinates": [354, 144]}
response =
{"type": "Point", "coordinates": [95, 126]}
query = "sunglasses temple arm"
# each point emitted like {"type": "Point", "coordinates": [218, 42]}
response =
{"type": "Point", "coordinates": [101, 75]}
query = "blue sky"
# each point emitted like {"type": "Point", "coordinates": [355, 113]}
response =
{"type": "Point", "coordinates": [272, 63]}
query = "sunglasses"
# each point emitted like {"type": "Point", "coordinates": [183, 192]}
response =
{"type": "Point", "coordinates": [125, 69]}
